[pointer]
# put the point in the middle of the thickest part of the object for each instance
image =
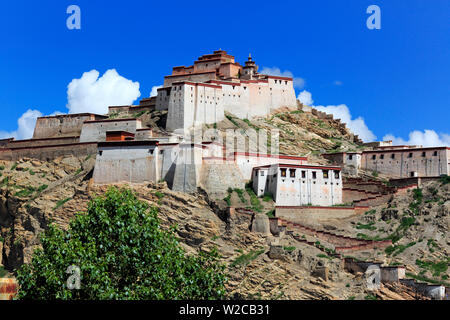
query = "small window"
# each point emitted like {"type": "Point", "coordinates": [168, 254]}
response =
{"type": "Point", "coordinates": [382, 156]}
{"type": "Point", "coordinates": [336, 174]}
{"type": "Point", "coordinates": [292, 173]}
{"type": "Point", "coordinates": [412, 174]}
{"type": "Point", "coordinates": [283, 172]}
{"type": "Point", "coordinates": [435, 153]}
{"type": "Point", "coordinates": [424, 154]}
{"type": "Point", "coordinates": [410, 155]}
{"type": "Point", "coordinates": [262, 174]}
{"type": "Point", "coordinates": [374, 157]}
{"type": "Point", "coordinates": [314, 174]}
{"type": "Point", "coordinates": [350, 157]}
{"type": "Point", "coordinates": [325, 174]}
{"type": "Point", "coordinates": [303, 174]}
{"type": "Point", "coordinates": [393, 156]}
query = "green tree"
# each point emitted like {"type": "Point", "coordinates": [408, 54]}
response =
{"type": "Point", "coordinates": [122, 253]}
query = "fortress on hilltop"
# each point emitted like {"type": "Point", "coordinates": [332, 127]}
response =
{"type": "Point", "coordinates": [130, 147]}
{"type": "Point", "coordinates": [201, 93]}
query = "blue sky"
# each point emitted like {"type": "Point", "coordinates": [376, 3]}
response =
{"type": "Point", "coordinates": [396, 78]}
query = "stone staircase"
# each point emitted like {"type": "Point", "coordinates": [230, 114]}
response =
{"type": "Point", "coordinates": [368, 192]}
{"type": "Point", "coordinates": [342, 244]}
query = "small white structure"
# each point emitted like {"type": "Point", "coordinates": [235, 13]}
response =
{"type": "Point", "coordinates": [95, 130]}
{"type": "Point", "coordinates": [299, 185]}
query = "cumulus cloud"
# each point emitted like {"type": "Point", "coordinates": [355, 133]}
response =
{"type": "Point", "coordinates": [357, 126]}
{"type": "Point", "coordinates": [299, 83]}
{"type": "Point", "coordinates": [25, 126]}
{"type": "Point", "coordinates": [154, 91]}
{"type": "Point", "coordinates": [93, 94]}
{"type": "Point", "coordinates": [427, 138]}
{"type": "Point", "coordinates": [305, 98]}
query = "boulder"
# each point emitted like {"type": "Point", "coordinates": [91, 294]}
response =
{"type": "Point", "coordinates": [261, 224]}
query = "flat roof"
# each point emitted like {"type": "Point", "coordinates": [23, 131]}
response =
{"type": "Point", "coordinates": [128, 143]}
{"type": "Point", "coordinates": [75, 115]}
{"type": "Point", "coordinates": [112, 120]}
{"type": "Point", "coordinates": [301, 166]}
{"type": "Point", "coordinates": [406, 150]}
{"type": "Point", "coordinates": [280, 156]}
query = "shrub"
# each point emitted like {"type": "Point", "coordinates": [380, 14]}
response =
{"type": "Point", "coordinates": [445, 179]}
{"type": "Point", "coordinates": [122, 253]}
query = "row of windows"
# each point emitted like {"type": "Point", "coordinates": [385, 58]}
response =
{"type": "Point", "coordinates": [410, 155]}
{"type": "Point", "coordinates": [285, 82]}
{"type": "Point", "coordinates": [325, 173]}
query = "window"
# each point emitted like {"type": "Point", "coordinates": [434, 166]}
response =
{"type": "Point", "coordinates": [410, 155]}
{"type": "Point", "coordinates": [262, 174]}
{"type": "Point", "coordinates": [424, 154]}
{"type": "Point", "coordinates": [283, 172]}
{"type": "Point", "coordinates": [292, 173]}
{"type": "Point", "coordinates": [336, 174]}
{"type": "Point", "coordinates": [325, 174]}
{"type": "Point", "coordinates": [374, 157]}
{"type": "Point", "coordinates": [393, 156]}
{"type": "Point", "coordinates": [350, 157]}
{"type": "Point", "coordinates": [435, 153]}
{"type": "Point", "coordinates": [382, 156]}
{"type": "Point", "coordinates": [314, 174]}
{"type": "Point", "coordinates": [303, 174]}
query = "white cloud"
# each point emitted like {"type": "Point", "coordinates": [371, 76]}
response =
{"type": "Point", "coordinates": [25, 126]}
{"type": "Point", "coordinates": [154, 91]}
{"type": "Point", "coordinates": [357, 126]}
{"type": "Point", "coordinates": [93, 94]}
{"type": "Point", "coordinates": [299, 83]}
{"type": "Point", "coordinates": [427, 138]}
{"type": "Point", "coordinates": [305, 98]}
{"type": "Point", "coordinates": [338, 83]}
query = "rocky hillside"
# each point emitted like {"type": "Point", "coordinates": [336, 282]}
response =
{"type": "Point", "coordinates": [418, 223]}
{"type": "Point", "coordinates": [35, 193]}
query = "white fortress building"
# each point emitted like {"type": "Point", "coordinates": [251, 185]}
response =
{"type": "Point", "coordinates": [201, 93]}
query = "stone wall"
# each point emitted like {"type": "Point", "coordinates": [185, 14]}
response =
{"type": "Point", "coordinates": [130, 163]}
{"type": "Point", "coordinates": [317, 214]}
{"type": "Point", "coordinates": [62, 125]}
{"type": "Point", "coordinates": [47, 153]}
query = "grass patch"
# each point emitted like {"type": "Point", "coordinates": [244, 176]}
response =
{"type": "Point", "coordinates": [436, 268]}
{"type": "Point", "coordinates": [245, 259]}
{"type": "Point", "coordinates": [159, 195]}
{"type": "Point", "coordinates": [396, 250]}
{"type": "Point", "coordinates": [370, 226]}
{"type": "Point", "coordinates": [254, 201]}
{"type": "Point", "coordinates": [289, 249]}
{"type": "Point", "coordinates": [60, 203]}
{"type": "Point", "coordinates": [240, 194]}
{"type": "Point", "coordinates": [267, 197]}
{"type": "Point", "coordinates": [271, 213]}
{"type": "Point", "coordinates": [322, 255]}
{"type": "Point", "coordinates": [42, 188]}
{"type": "Point", "coordinates": [25, 192]}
